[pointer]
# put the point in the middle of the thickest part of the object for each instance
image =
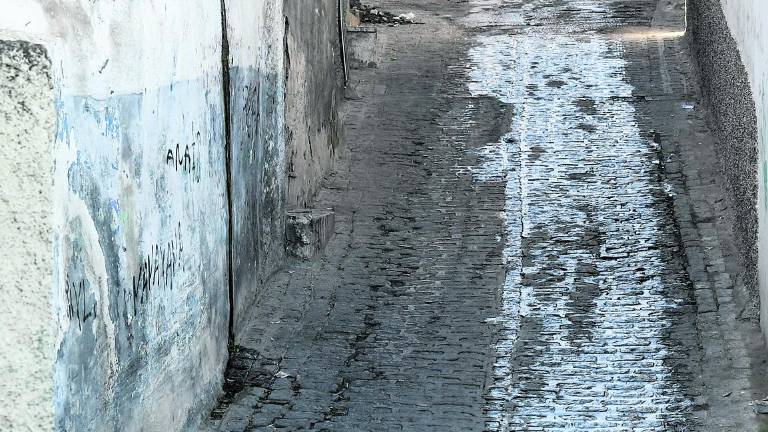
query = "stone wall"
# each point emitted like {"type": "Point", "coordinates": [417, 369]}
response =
{"type": "Point", "coordinates": [255, 34]}
{"type": "Point", "coordinates": [314, 86]}
{"type": "Point", "coordinates": [731, 44]}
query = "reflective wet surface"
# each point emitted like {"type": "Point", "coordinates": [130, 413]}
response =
{"type": "Point", "coordinates": [588, 293]}
{"type": "Point", "coordinates": [591, 283]}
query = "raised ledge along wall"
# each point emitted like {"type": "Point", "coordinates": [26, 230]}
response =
{"type": "Point", "coordinates": [157, 121]}
{"type": "Point", "coordinates": [731, 42]}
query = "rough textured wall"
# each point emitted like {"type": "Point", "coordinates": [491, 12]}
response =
{"type": "Point", "coordinates": [139, 220]}
{"type": "Point", "coordinates": [731, 42]}
{"type": "Point", "coordinates": [27, 122]}
{"type": "Point", "coordinates": [255, 32]}
{"type": "Point", "coordinates": [314, 83]}
{"type": "Point", "coordinates": [748, 20]}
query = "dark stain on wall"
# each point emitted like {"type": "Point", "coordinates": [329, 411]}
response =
{"type": "Point", "coordinates": [258, 209]}
{"type": "Point", "coordinates": [317, 40]}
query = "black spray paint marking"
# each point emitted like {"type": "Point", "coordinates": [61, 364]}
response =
{"type": "Point", "coordinates": [185, 159]}
{"type": "Point", "coordinates": [77, 298]}
{"type": "Point", "coordinates": [157, 270]}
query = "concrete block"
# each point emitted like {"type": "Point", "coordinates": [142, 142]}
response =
{"type": "Point", "coordinates": [308, 231]}
{"type": "Point", "coordinates": [361, 46]}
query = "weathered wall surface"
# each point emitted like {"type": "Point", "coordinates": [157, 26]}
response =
{"type": "Point", "coordinates": [731, 41]}
{"type": "Point", "coordinates": [139, 231]}
{"type": "Point", "coordinates": [27, 122]}
{"type": "Point", "coordinates": [314, 83]}
{"type": "Point", "coordinates": [142, 158]}
{"type": "Point", "coordinates": [256, 31]}
{"type": "Point", "coordinates": [140, 237]}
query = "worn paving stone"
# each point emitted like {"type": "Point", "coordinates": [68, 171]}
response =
{"type": "Point", "coordinates": [530, 235]}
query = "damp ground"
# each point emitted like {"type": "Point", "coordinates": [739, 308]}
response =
{"type": "Point", "coordinates": [532, 235]}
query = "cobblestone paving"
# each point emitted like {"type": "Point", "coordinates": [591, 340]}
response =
{"type": "Point", "coordinates": [592, 276]}
{"type": "Point", "coordinates": [526, 240]}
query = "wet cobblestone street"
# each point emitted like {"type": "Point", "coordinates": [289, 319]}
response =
{"type": "Point", "coordinates": [592, 271]}
{"type": "Point", "coordinates": [531, 235]}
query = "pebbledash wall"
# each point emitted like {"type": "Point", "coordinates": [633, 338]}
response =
{"type": "Point", "coordinates": [731, 40]}
{"type": "Point", "coordinates": [27, 122]}
{"type": "Point", "coordinates": [134, 109]}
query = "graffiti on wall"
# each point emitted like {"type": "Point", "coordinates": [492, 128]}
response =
{"type": "Point", "coordinates": [80, 306]}
{"type": "Point", "coordinates": [185, 159]}
{"type": "Point", "coordinates": [157, 270]}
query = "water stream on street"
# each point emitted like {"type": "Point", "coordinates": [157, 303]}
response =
{"type": "Point", "coordinates": [588, 293]}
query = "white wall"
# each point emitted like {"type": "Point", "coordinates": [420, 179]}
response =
{"type": "Point", "coordinates": [26, 328]}
{"type": "Point", "coordinates": [748, 22]}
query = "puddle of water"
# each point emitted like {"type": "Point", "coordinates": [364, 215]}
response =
{"type": "Point", "coordinates": [584, 307]}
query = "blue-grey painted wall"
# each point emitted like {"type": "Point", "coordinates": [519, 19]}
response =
{"type": "Point", "coordinates": [140, 231]}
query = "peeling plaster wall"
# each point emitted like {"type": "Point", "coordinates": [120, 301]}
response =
{"type": "Point", "coordinates": [139, 222]}
{"type": "Point", "coordinates": [27, 122]}
{"type": "Point", "coordinates": [256, 32]}
{"type": "Point", "coordinates": [314, 84]}
{"type": "Point", "coordinates": [140, 237]}
{"type": "Point", "coordinates": [731, 42]}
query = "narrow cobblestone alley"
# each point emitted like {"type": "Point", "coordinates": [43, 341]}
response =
{"type": "Point", "coordinates": [531, 235]}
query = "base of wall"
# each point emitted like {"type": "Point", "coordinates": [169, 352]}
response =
{"type": "Point", "coordinates": [726, 86]}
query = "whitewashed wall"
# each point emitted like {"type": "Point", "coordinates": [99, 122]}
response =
{"type": "Point", "coordinates": [748, 22]}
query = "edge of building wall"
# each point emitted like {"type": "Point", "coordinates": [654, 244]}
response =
{"type": "Point", "coordinates": [26, 133]}
{"type": "Point", "coordinates": [726, 88]}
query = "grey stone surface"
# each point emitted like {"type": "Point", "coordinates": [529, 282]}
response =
{"type": "Point", "coordinates": [308, 231]}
